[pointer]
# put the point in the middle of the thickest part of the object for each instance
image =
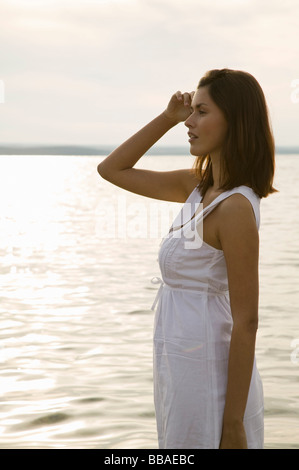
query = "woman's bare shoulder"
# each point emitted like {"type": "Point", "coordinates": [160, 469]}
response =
{"type": "Point", "coordinates": [236, 220]}
{"type": "Point", "coordinates": [234, 203]}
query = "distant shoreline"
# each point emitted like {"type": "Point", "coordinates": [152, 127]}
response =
{"type": "Point", "coordinates": [77, 150]}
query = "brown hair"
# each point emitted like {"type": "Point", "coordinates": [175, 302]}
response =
{"type": "Point", "coordinates": [249, 150]}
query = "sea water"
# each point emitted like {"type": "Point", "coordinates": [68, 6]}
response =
{"type": "Point", "coordinates": [77, 258]}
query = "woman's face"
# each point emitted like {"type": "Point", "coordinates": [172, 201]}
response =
{"type": "Point", "coordinates": [207, 125]}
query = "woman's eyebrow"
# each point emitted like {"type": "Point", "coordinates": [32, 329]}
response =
{"type": "Point", "coordinates": [199, 105]}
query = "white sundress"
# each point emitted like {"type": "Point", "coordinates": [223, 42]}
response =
{"type": "Point", "coordinates": [192, 331]}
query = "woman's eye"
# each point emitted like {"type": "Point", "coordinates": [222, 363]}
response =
{"type": "Point", "coordinates": [202, 112]}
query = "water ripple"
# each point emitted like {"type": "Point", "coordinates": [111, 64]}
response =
{"type": "Point", "coordinates": [76, 325]}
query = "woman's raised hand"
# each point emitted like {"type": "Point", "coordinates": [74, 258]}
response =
{"type": "Point", "coordinates": [172, 185]}
{"type": "Point", "coordinates": [178, 108]}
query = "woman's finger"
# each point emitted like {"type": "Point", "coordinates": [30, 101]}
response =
{"type": "Point", "coordinates": [179, 96]}
{"type": "Point", "coordinates": [186, 97]}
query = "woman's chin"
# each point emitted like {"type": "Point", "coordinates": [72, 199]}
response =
{"type": "Point", "coordinates": [193, 151]}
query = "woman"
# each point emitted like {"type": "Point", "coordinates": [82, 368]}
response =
{"type": "Point", "coordinates": [207, 389]}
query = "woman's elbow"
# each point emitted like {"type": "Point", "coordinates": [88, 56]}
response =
{"type": "Point", "coordinates": [248, 325]}
{"type": "Point", "coordinates": [103, 171]}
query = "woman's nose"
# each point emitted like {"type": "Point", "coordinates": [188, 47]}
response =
{"type": "Point", "coordinates": [188, 122]}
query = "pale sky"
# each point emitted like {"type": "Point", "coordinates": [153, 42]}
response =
{"type": "Point", "coordinates": [92, 72]}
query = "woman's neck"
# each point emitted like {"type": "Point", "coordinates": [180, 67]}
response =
{"type": "Point", "coordinates": [216, 171]}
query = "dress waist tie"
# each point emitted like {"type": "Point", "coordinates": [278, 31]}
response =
{"type": "Point", "coordinates": [205, 289]}
{"type": "Point", "coordinates": [157, 280]}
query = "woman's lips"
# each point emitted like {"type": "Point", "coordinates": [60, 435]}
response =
{"type": "Point", "coordinates": [192, 137]}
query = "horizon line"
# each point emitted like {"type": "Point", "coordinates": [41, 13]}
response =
{"type": "Point", "coordinates": [101, 150]}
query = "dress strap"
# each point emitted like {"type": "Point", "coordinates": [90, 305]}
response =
{"type": "Point", "coordinates": [191, 211]}
{"type": "Point", "coordinates": [187, 209]}
{"type": "Point", "coordinates": [252, 197]}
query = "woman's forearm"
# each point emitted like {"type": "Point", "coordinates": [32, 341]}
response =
{"type": "Point", "coordinates": [241, 358]}
{"type": "Point", "coordinates": [119, 167]}
{"type": "Point", "coordinates": [128, 153]}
